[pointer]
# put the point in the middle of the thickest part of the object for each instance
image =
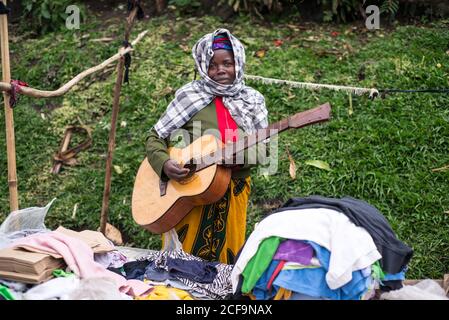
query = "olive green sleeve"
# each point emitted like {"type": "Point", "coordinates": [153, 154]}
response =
{"type": "Point", "coordinates": [156, 149]}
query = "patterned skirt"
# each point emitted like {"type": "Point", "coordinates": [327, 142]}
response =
{"type": "Point", "coordinates": [216, 232]}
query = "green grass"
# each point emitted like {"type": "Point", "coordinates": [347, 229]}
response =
{"type": "Point", "coordinates": [383, 153]}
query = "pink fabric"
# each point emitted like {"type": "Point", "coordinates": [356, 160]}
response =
{"type": "Point", "coordinates": [79, 258]}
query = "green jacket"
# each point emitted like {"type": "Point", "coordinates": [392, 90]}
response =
{"type": "Point", "coordinates": [156, 148]}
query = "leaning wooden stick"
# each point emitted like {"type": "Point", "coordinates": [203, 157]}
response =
{"type": "Point", "coordinates": [115, 109]}
{"type": "Point", "coordinates": [6, 86]}
{"type": "Point", "coordinates": [9, 119]}
{"type": "Point", "coordinates": [64, 146]}
{"type": "Point", "coordinates": [111, 145]}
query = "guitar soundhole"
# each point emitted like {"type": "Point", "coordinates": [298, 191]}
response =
{"type": "Point", "coordinates": [191, 175]}
{"type": "Point", "coordinates": [191, 167]}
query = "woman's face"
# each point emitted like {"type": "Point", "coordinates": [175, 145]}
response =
{"type": "Point", "coordinates": [222, 67]}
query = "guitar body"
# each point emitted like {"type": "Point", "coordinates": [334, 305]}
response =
{"type": "Point", "coordinates": [159, 208]}
{"type": "Point", "coordinates": [160, 213]}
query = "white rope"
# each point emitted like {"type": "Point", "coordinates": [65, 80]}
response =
{"type": "Point", "coordinates": [373, 93]}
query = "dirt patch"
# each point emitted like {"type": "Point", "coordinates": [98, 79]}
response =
{"type": "Point", "coordinates": [270, 204]}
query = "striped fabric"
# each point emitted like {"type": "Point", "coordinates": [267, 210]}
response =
{"type": "Point", "coordinates": [221, 42]}
{"type": "Point", "coordinates": [218, 289]}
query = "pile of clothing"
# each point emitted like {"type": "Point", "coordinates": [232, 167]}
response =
{"type": "Point", "coordinates": [76, 260]}
{"type": "Point", "coordinates": [67, 265]}
{"type": "Point", "coordinates": [38, 263]}
{"type": "Point", "coordinates": [321, 248]}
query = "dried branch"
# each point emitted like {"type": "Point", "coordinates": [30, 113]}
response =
{"type": "Point", "coordinates": [31, 92]}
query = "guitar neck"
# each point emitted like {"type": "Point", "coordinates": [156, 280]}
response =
{"type": "Point", "coordinates": [299, 120]}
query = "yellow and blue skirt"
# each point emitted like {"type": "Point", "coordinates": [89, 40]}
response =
{"type": "Point", "coordinates": [216, 232]}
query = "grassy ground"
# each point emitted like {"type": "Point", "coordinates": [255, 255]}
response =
{"type": "Point", "coordinates": [383, 152]}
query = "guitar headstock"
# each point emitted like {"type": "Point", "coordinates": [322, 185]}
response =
{"type": "Point", "coordinates": [315, 115]}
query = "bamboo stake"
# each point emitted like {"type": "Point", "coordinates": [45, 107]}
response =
{"type": "Point", "coordinates": [111, 144]}
{"type": "Point", "coordinates": [6, 86]}
{"type": "Point", "coordinates": [9, 118]}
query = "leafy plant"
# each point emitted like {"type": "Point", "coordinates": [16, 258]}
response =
{"type": "Point", "coordinates": [43, 16]}
{"type": "Point", "coordinates": [255, 6]}
{"type": "Point", "coordinates": [391, 7]}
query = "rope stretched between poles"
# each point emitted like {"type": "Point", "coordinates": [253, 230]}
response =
{"type": "Point", "coordinates": [372, 92]}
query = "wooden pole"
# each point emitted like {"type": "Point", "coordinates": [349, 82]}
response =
{"type": "Point", "coordinates": [111, 144]}
{"type": "Point", "coordinates": [9, 118]}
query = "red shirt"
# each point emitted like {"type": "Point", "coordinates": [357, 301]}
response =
{"type": "Point", "coordinates": [225, 121]}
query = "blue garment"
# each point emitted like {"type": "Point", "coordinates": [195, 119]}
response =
{"type": "Point", "coordinates": [156, 274]}
{"type": "Point", "coordinates": [351, 290]}
{"type": "Point", "coordinates": [311, 282]}
{"type": "Point", "coordinates": [300, 296]}
{"type": "Point", "coordinates": [396, 276]}
{"type": "Point", "coordinates": [132, 270]}
{"type": "Point", "coordinates": [260, 290]}
{"type": "Point", "coordinates": [198, 271]}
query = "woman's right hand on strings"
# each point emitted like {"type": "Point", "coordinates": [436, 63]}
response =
{"type": "Point", "coordinates": [174, 171]}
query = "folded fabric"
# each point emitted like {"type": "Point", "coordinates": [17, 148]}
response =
{"type": "Point", "coordinates": [30, 278]}
{"type": "Point", "coordinates": [259, 262]}
{"type": "Point", "coordinates": [396, 276]}
{"type": "Point", "coordinates": [301, 296]}
{"type": "Point", "coordinates": [178, 285]}
{"type": "Point", "coordinates": [353, 289]}
{"type": "Point", "coordinates": [199, 271]}
{"type": "Point", "coordinates": [261, 291]}
{"type": "Point", "coordinates": [276, 271]}
{"type": "Point", "coordinates": [314, 263]}
{"type": "Point", "coordinates": [165, 293]}
{"type": "Point", "coordinates": [114, 259]}
{"type": "Point", "coordinates": [21, 261]}
{"type": "Point", "coordinates": [351, 246]}
{"type": "Point", "coordinates": [94, 239]}
{"type": "Point", "coordinates": [294, 251]}
{"type": "Point", "coordinates": [79, 257]}
{"type": "Point", "coordinates": [310, 282]}
{"type": "Point", "coordinates": [9, 237]}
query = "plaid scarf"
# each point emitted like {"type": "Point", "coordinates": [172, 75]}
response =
{"type": "Point", "coordinates": [246, 105]}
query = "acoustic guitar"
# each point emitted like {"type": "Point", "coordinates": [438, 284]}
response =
{"type": "Point", "coordinates": [159, 206]}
